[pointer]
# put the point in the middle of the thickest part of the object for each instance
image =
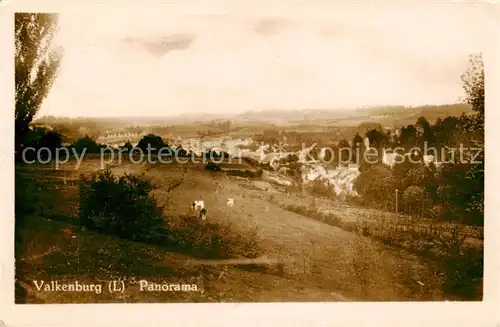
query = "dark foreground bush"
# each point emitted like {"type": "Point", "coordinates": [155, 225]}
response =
{"type": "Point", "coordinates": [319, 187]}
{"type": "Point", "coordinates": [463, 271]}
{"type": "Point", "coordinates": [125, 207]}
{"type": "Point", "coordinates": [121, 206]}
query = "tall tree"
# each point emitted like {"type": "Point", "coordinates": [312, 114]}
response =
{"type": "Point", "coordinates": [424, 127]}
{"type": "Point", "coordinates": [408, 137]}
{"type": "Point", "coordinates": [36, 66]}
{"type": "Point", "coordinates": [357, 146]}
{"type": "Point", "coordinates": [473, 80]}
{"type": "Point", "coordinates": [154, 141]}
{"type": "Point", "coordinates": [473, 84]}
{"type": "Point", "coordinates": [344, 151]}
{"type": "Point", "coordinates": [357, 141]}
{"type": "Point", "coordinates": [377, 185]}
{"type": "Point", "coordinates": [377, 138]}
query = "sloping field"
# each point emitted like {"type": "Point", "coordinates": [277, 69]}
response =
{"type": "Point", "coordinates": [323, 254]}
{"type": "Point", "coordinates": [53, 250]}
{"type": "Point", "coordinates": [320, 262]}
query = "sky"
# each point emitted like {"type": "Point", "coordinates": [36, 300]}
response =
{"type": "Point", "coordinates": [157, 62]}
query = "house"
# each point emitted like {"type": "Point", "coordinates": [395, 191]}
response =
{"type": "Point", "coordinates": [303, 154]}
{"type": "Point", "coordinates": [313, 172]}
{"type": "Point", "coordinates": [366, 142]}
{"type": "Point", "coordinates": [353, 167]}
{"type": "Point", "coordinates": [389, 159]}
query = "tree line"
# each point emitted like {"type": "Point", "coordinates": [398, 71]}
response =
{"type": "Point", "coordinates": [452, 191]}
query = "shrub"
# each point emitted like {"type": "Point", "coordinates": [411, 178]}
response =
{"type": "Point", "coordinates": [154, 143]}
{"type": "Point", "coordinates": [86, 144]}
{"type": "Point", "coordinates": [328, 217]}
{"type": "Point", "coordinates": [124, 207]}
{"type": "Point", "coordinates": [355, 200]}
{"type": "Point", "coordinates": [416, 198]}
{"type": "Point", "coordinates": [127, 146]}
{"type": "Point", "coordinates": [39, 138]}
{"type": "Point", "coordinates": [212, 166]}
{"type": "Point", "coordinates": [121, 206]}
{"type": "Point", "coordinates": [463, 271]}
{"type": "Point", "coordinates": [322, 189]}
{"type": "Point", "coordinates": [436, 211]}
{"type": "Point", "coordinates": [209, 240]}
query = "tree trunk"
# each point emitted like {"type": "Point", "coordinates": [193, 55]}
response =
{"type": "Point", "coordinates": [20, 133]}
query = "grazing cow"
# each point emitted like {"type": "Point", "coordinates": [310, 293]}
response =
{"type": "Point", "coordinates": [203, 214]}
{"type": "Point", "coordinates": [230, 202]}
{"type": "Point", "coordinates": [197, 205]}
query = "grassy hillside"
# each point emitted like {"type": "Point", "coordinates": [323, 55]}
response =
{"type": "Point", "coordinates": [305, 259]}
{"type": "Point", "coordinates": [50, 246]}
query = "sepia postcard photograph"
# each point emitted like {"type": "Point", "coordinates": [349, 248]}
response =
{"type": "Point", "coordinates": [217, 152]}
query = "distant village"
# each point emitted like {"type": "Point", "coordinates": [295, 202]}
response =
{"type": "Point", "coordinates": [341, 178]}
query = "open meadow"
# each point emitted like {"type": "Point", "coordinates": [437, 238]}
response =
{"type": "Point", "coordinates": [304, 248]}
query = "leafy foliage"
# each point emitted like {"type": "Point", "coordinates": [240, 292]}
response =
{"type": "Point", "coordinates": [357, 141]}
{"type": "Point", "coordinates": [455, 189]}
{"type": "Point", "coordinates": [464, 271]}
{"type": "Point", "coordinates": [323, 189]}
{"type": "Point", "coordinates": [121, 206]}
{"type": "Point", "coordinates": [38, 138]}
{"type": "Point", "coordinates": [154, 143]}
{"type": "Point", "coordinates": [127, 146]}
{"type": "Point", "coordinates": [473, 84]}
{"type": "Point", "coordinates": [377, 138]}
{"type": "Point", "coordinates": [86, 144]}
{"type": "Point", "coordinates": [36, 66]}
{"type": "Point", "coordinates": [415, 197]}
{"type": "Point", "coordinates": [377, 185]}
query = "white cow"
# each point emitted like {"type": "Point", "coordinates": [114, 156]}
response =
{"type": "Point", "coordinates": [198, 205]}
{"type": "Point", "coordinates": [230, 202]}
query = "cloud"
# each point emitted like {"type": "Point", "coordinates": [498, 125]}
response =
{"type": "Point", "coordinates": [159, 46]}
{"type": "Point", "coordinates": [230, 62]}
{"type": "Point", "coordinates": [270, 26]}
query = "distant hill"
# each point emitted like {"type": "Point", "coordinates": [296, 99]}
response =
{"type": "Point", "coordinates": [385, 115]}
{"type": "Point", "coordinates": [255, 121]}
